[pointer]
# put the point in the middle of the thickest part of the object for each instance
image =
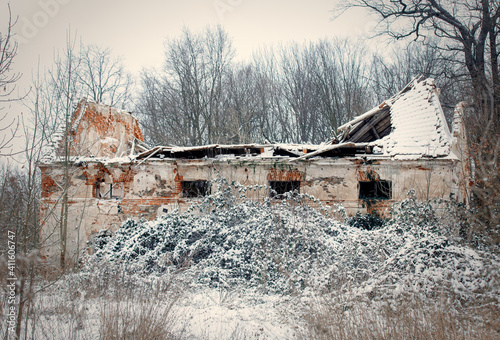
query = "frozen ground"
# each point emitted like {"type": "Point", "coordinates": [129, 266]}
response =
{"type": "Point", "coordinates": [208, 313]}
{"type": "Point", "coordinates": [236, 269]}
{"type": "Point", "coordinates": [217, 314]}
{"type": "Point", "coordinates": [202, 313]}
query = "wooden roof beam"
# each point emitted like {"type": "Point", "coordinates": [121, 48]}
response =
{"type": "Point", "coordinates": [369, 126]}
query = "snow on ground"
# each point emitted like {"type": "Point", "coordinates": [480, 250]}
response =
{"type": "Point", "coordinates": [199, 313]}
{"type": "Point", "coordinates": [232, 268]}
{"type": "Point", "coordinates": [221, 314]}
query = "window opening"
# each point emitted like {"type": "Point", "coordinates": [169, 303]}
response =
{"type": "Point", "coordinates": [112, 190]}
{"type": "Point", "coordinates": [99, 188]}
{"type": "Point", "coordinates": [193, 189]}
{"type": "Point", "coordinates": [381, 190]}
{"type": "Point", "coordinates": [280, 188]}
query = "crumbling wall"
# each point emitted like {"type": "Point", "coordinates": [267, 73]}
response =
{"type": "Point", "coordinates": [461, 150]}
{"type": "Point", "coordinates": [154, 187]}
{"type": "Point", "coordinates": [100, 130]}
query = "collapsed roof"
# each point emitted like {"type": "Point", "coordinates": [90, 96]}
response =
{"type": "Point", "coordinates": [419, 126]}
{"type": "Point", "coordinates": [409, 125]}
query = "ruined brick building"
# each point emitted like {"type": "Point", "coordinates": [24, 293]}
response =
{"type": "Point", "coordinates": [402, 144]}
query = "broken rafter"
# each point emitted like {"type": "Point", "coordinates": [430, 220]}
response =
{"type": "Point", "coordinates": [388, 102]}
{"type": "Point", "coordinates": [330, 148]}
{"type": "Point", "coordinates": [370, 125]}
{"type": "Point", "coordinates": [364, 116]}
{"type": "Point", "coordinates": [158, 148]}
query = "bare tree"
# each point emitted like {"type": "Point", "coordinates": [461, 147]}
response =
{"type": "Point", "coordinates": [241, 106]}
{"type": "Point", "coordinates": [154, 107]}
{"type": "Point", "coordinates": [467, 32]}
{"type": "Point", "coordinates": [50, 104]}
{"type": "Point", "coordinates": [342, 75]}
{"type": "Point", "coordinates": [14, 187]}
{"type": "Point", "coordinates": [289, 94]}
{"type": "Point", "coordinates": [322, 85]}
{"type": "Point", "coordinates": [187, 95]}
{"type": "Point", "coordinates": [103, 77]}
{"type": "Point", "coordinates": [18, 194]}
{"type": "Point", "coordinates": [273, 125]}
{"type": "Point", "coordinates": [65, 80]}
{"type": "Point", "coordinates": [392, 71]}
{"type": "Point", "coordinates": [86, 72]}
{"type": "Point", "coordinates": [465, 26]}
{"type": "Point", "coordinates": [298, 92]}
{"type": "Point", "coordinates": [19, 188]}
{"type": "Point", "coordinates": [8, 51]}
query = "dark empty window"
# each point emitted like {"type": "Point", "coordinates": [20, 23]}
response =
{"type": "Point", "coordinates": [381, 190]}
{"type": "Point", "coordinates": [192, 189]}
{"type": "Point", "coordinates": [105, 190]}
{"type": "Point", "coordinates": [279, 188]}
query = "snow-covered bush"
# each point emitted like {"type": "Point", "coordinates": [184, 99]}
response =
{"type": "Point", "coordinates": [285, 245]}
{"type": "Point", "coordinates": [423, 255]}
{"type": "Point", "coordinates": [229, 240]}
{"type": "Point", "coordinates": [365, 221]}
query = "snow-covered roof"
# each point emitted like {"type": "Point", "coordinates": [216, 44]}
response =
{"type": "Point", "coordinates": [418, 124]}
{"type": "Point", "coordinates": [409, 125]}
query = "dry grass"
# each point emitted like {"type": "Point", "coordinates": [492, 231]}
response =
{"type": "Point", "coordinates": [115, 306]}
{"type": "Point", "coordinates": [410, 318]}
{"type": "Point", "coordinates": [138, 320]}
{"type": "Point", "coordinates": [78, 314]}
{"type": "Point", "coordinates": [118, 306]}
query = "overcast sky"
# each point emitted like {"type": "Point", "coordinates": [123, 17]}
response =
{"type": "Point", "coordinates": [137, 30]}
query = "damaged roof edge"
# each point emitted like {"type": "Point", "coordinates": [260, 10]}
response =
{"type": "Point", "coordinates": [327, 148]}
{"type": "Point", "coordinates": [410, 124]}
{"type": "Point", "coordinates": [387, 102]}
{"type": "Point", "coordinates": [362, 117]}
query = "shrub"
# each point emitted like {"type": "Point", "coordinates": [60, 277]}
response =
{"type": "Point", "coordinates": [365, 221]}
{"type": "Point", "coordinates": [287, 246]}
